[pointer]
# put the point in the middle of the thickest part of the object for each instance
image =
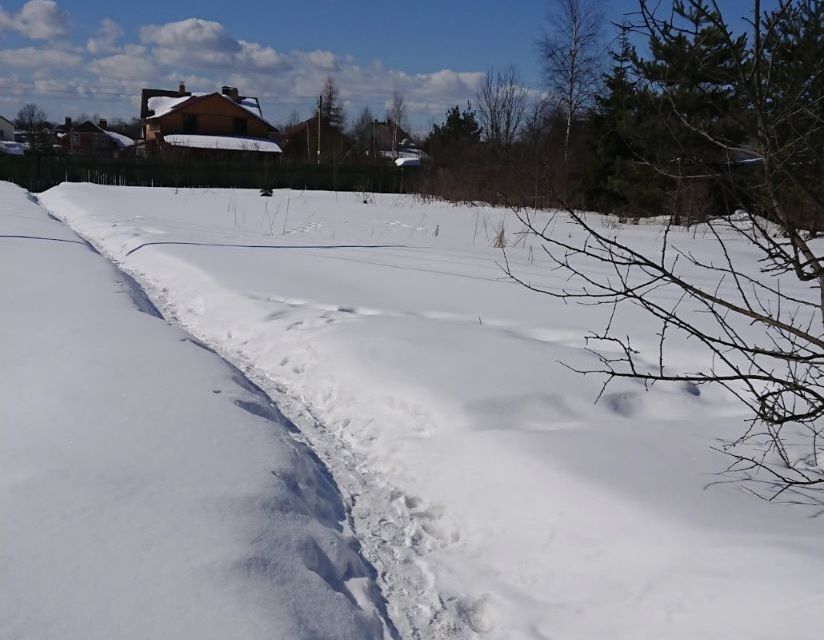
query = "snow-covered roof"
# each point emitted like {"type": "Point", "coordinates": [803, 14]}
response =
{"type": "Point", "coordinates": [12, 148]}
{"type": "Point", "coordinates": [401, 154]}
{"type": "Point", "coordinates": [224, 143]}
{"type": "Point", "coordinates": [163, 105]}
{"type": "Point", "coordinates": [120, 140]}
{"type": "Point", "coordinates": [408, 162]}
{"type": "Point", "coordinates": [250, 104]}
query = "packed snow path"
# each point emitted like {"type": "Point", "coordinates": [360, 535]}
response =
{"type": "Point", "coordinates": [147, 489]}
{"type": "Point", "coordinates": [490, 494]}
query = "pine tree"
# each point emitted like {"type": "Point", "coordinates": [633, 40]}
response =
{"type": "Point", "coordinates": [459, 126]}
{"type": "Point", "coordinates": [331, 110]}
{"type": "Point", "coordinates": [616, 181]}
{"type": "Point", "coordinates": [657, 126]}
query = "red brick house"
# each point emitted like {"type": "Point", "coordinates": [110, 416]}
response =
{"type": "Point", "coordinates": [91, 139]}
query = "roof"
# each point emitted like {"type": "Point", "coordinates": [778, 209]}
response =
{"type": "Point", "coordinates": [158, 106]}
{"type": "Point", "coordinates": [147, 94]}
{"type": "Point", "coordinates": [223, 143]}
{"type": "Point", "coordinates": [402, 154]}
{"type": "Point", "coordinates": [311, 124]}
{"type": "Point", "coordinates": [382, 135]}
{"type": "Point", "coordinates": [7, 120]}
{"type": "Point", "coordinates": [12, 148]}
{"type": "Point", "coordinates": [119, 139]}
{"type": "Point", "coordinates": [408, 162]}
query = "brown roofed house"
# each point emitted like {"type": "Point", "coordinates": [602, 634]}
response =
{"type": "Point", "coordinates": [221, 122]}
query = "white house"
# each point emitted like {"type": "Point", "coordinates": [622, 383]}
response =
{"type": "Point", "coordinates": [6, 129]}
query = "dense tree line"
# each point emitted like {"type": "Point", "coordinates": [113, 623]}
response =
{"type": "Point", "coordinates": [671, 119]}
{"type": "Point", "coordinates": [704, 120]}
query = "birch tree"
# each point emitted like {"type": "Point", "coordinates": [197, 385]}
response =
{"type": "Point", "coordinates": [571, 53]}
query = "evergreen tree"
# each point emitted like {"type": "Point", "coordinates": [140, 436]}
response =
{"type": "Point", "coordinates": [616, 180]}
{"type": "Point", "coordinates": [658, 126]}
{"type": "Point", "coordinates": [742, 115]}
{"type": "Point", "coordinates": [460, 126]}
{"type": "Point", "coordinates": [792, 106]}
{"type": "Point", "coordinates": [331, 110]}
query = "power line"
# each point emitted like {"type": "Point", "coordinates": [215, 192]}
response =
{"type": "Point", "coordinates": [82, 92]}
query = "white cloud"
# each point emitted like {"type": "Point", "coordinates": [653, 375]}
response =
{"type": "Point", "coordinates": [37, 20]}
{"type": "Point", "coordinates": [40, 59]}
{"type": "Point", "coordinates": [125, 66]}
{"type": "Point", "coordinates": [191, 34]}
{"type": "Point", "coordinates": [261, 58]}
{"type": "Point", "coordinates": [205, 55]}
{"type": "Point", "coordinates": [320, 60]}
{"type": "Point", "coordinates": [105, 41]}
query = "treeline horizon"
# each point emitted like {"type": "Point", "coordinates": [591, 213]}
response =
{"type": "Point", "coordinates": [663, 123]}
{"type": "Point", "coordinates": [655, 116]}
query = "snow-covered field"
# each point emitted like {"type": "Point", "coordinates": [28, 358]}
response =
{"type": "Point", "coordinates": [490, 493]}
{"type": "Point", "coordinates": [147, 489]}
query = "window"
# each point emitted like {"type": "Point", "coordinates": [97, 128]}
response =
{"type": "Point", "coordinates": [75, 138]}
{"type": "Point", "coordinates": [241, 126]}
{"type": "Point", "coordinates": [189, 123]}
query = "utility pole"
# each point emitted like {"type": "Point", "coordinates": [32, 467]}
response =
{"type": "Point", "coordinates": [320, 108]}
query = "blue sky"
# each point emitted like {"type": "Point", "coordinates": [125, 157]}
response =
{"type": "Point", "coordinates": [95, 55]}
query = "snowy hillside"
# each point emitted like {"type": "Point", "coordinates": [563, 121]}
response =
{"type": "Point", "coordinates": [147, 489]}
{"type": "Point", "coordinates": [490, 493]}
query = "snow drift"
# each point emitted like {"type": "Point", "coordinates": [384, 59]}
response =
{"type": "Point", "coordinates": [490, 493]}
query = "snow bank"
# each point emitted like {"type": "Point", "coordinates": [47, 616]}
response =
{"type": "Point", "coordinates": [490, 493]}
{"type": "Point", "coordinates": [147, 489]}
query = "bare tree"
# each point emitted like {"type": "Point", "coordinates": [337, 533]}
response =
{"type": "Point", "coordinates": [760, 324]}
{"type": "Point", "coordinates": [292, 121]}
{"type": "Point", "coordinates": [537, 121]}
{"type": "Point", "coordinates": [502, 102]}
{"type": "Point", "coordinates": [362, 123]}
{"type": "Point", "coordinates": [571, 53]}
{"type": "Point", "coordinates": [30, 118]}
{"type": "Point", "coordinates": [397, 116]}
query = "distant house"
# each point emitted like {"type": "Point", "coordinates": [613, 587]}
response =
{"type": "Point", "coordinates": [224, 122]}
{"type": "Point", "coordinates": [390, 141]}
{"type": "Point", "coordinates": [92, 139]}
{"type": "Point", "coordinates": [8, 145]}
{"type": "Point", "coordinates": [302, 143]}
{"type": "Point", "coordinates": [6, 129]}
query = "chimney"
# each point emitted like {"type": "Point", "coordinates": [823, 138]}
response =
{"type": "Point", "coordinates": [181, 89]}
{"type": "Point", "coordinates": [103, 124]}
{"type": "Point", "coordinates": [68, 124]}
{"type": "Point", "coordinates": [231, 92]}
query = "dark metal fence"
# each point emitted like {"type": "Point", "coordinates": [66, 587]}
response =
{"type": "Point", "coordinates": [40, 172]}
